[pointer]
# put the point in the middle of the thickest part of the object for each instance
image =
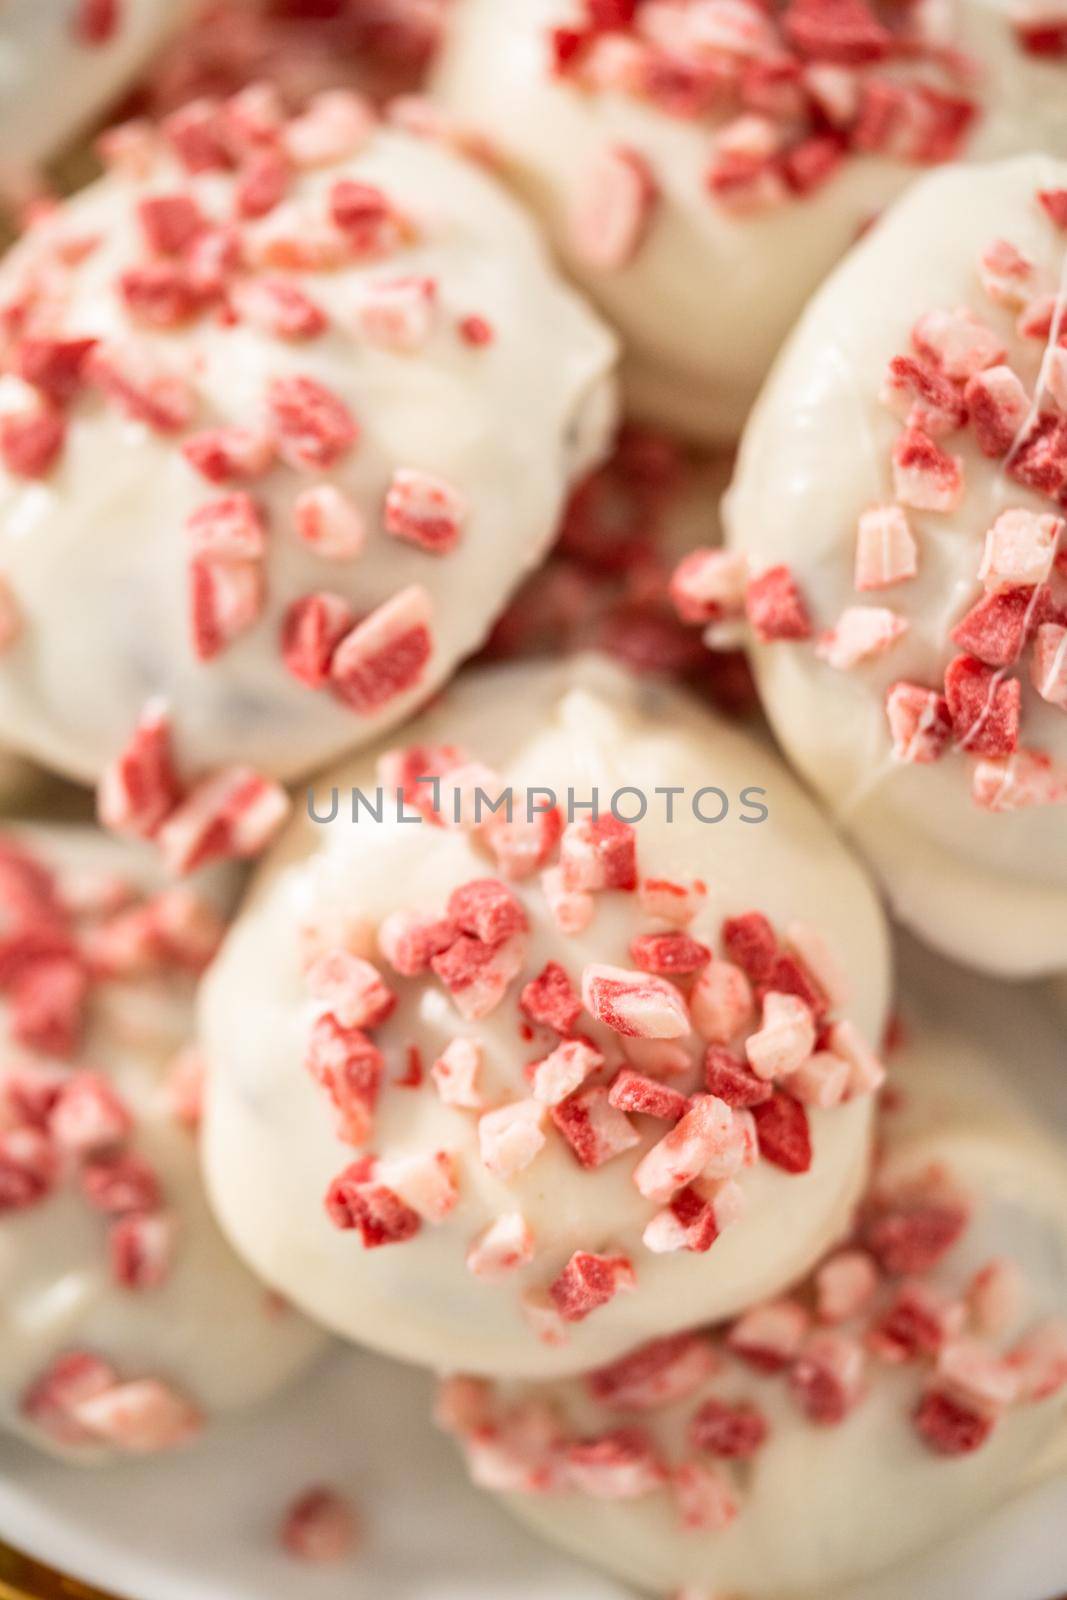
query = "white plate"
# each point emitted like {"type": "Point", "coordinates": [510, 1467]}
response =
{"type": "Point", "coordinates": [203, 1523]}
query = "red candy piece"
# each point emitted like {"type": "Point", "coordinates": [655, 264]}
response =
{"type": "Point", "coordinates": [726, 1077]}
{"type": "Point", "coordinates": [995, 628]}
{"type": "Point", "coordinates": [30, 443]}
{"type": "Point", "coordinates": [350, 1068]}
{"type": "Point", "coordinates": [355, 1201]}
{"type": "Point", "coordinates": [949, 1428]}
{"type": "Point", "coordinates": [845, 32]}
{"type": "Point", "coordinates": [487, 910]}
{"type": "Point", "coordinates": [550, 999]}
{"type": "Point", "coordinates": [732, 1432]}
{"type": "Point", "coordinates": [631, 1091]}
{"type": "Point", "coordinates": [751, 944]}
{"type": "Point", "coordinates": [669, 954]}
{"type": "Point", "coordinates": [312, 629]}
{"type": "Point", "coordinates": [588, 1282]}
{"type": "Point", "coordinates": [985, 708]}
{"type": "Point", "coordinates": [315, 429]}
{"type": "Point", "coordinates": [784, 1133]}
{"type": "Point", "coordinates": [914, 1238]}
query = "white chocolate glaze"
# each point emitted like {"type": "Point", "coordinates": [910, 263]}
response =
{"type": "Point", "coordinates": [270, 1145]}
{"type": "Point", "coordinates": [989, 888]}
{"type": "Point", "coordinates": [710, 296]}
{"type": "Point", "coordinates": [52, 84]}
{"type": "Point", "coordinates": [508, 425]}
{"type": "Point", "coordinates": [210, 1328]}
{"type": "Point", "coordinates": [822, 1508]}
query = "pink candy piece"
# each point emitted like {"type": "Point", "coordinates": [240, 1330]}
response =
{"type": "Point", "coordinates": [923, 397]}
{"type": "Point", "coordinates": [564, 1070]}
{"type": "Point", "coordinates": [827, 1378]}
{"type": "Point", "coordinates": [140, 788]}
{"type": "Point", "coordinates": [599, 854]}
{"type": "Point", "coordinates": [352, 989]}
{"type": "Point", "coordinates": [477, 975]}
{"type": "Point", "coordinates": [709, 585]}
{"type": "Point", "coordinates": [1040, 1358]}
{"type": "Point", "coordinates": [1019, 782]}
{"type": "Point", "coordinates": [632, 1092]}
{"type": "Point", "coordinates": [350, 1068]}
{"type": "Point", "coordinates": [769, 1337]}
{"type": "Point", "coordinates": [707, 1501]}
{"type": "Point", "coordinates": [1007, 275]}
{"type": "Point", "coordinates": [455, 1074]}
{"type": "Point", "coordinates": [503, 1247]}
{"type": "Point", "coordinates": [511, 1137]}
{"type": "Point", "coordinates": [681, 1155]}
{"type": "Point", "coordinates": [958, 343]}
{"type": "Point", "coordinates": [319, 1527]}
{"type": "Point", "coordinates": [141, 1418]}
{"type": "Point", "coordinates": [1048, 665]}
{"type": "Point", "coordinates": [1020, 549]}
{"type": "Point", "coordinates": [919, 723]}
{"type": "Point", "coordinates": [51, 1399]}
{"type": "Point", "coordinates": [925, 476]}
{"type": "Point", "coordinates": [633, 1003]}
{"type": "Point", "coordinates": [614, 210]}
{"type": "Point", "coordinates": [386, 654]}
{"type": "Point", "coordinates": [886, 551]}
{"type": "Point", "coordinates": [721, 1004]}
{"type": "Point", "coordinates": [596, 1130]}
{"type": "Point", "coordinates": [672, 900]}
{"type": "Point", "coordinates": [995, 1296]}
{"type": "Point", "coordinates": [231, 815]}
{"type": "Point", "coordinates": [776, 608]}
{"type": "Point", "coordinates": [845, 1285]}
{"type": "Point", "coordinates": [976, 1377]}
{"type": "Point", "coordinates": [229, 455]}
{"type": "Point", "coordinates": [785, 1039]}
{"type": "Point", "coordinates": [397, 313]}
{"type": "Point", "coordinates": [89, 1115]}
{"type": "Point", "coordinates": [860, 634]}
{"type": "Point", "coordinates": [571, 909]}
{"type": "Point", "coordinates": [141, 1250]}
{"type": "Point", "coordinates": [425, 511]}
{"type": "Point", "coordinates": [657, 1374]}
{"type": "Point", "coordinates": [226, 599]}
{"type": "Point", "coordinates": [426, 1182]}
{"type": "Point", "coordinates": [999, 406]}
{"type": "Point", "coordinates": [330, 523]}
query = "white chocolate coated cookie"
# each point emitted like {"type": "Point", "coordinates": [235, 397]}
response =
{"type": "Point", "coordinates": [654, 158]}
{"type": "Point", "coordinates": [339, 430]}
{"type": "Point", "coordinates": [467, 1165]}
{"type": "Point", "coordinates": [903, 1409]}
{"type": "Point", "coordinates": [924, 692]}
{"type": "Point", "coordinates": [61, 63]}
{"type": "Point", "coordinates": [117, 1289]}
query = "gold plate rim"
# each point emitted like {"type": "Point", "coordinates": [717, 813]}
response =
{"type": "Point", "coordinates": [23, 1577]}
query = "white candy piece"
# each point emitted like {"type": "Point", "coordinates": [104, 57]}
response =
{"type": "Point", "coordinates": [703, 287]}
{"type": "Point", "coordinates": [809, 1504]}
{"type": "Point", "coordinates": [209, 1331]}
{"type": "Point", "coordinates": [491, 435]}
{"type": "Point", "coordinates": [419, 1298]}
{"type": "Point", "coordinates": [968, 844]}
